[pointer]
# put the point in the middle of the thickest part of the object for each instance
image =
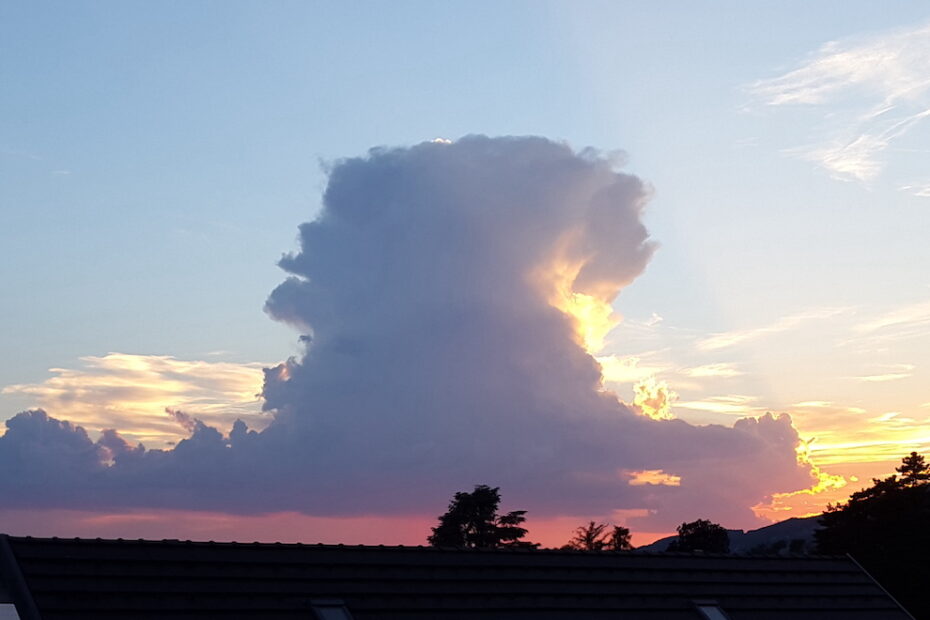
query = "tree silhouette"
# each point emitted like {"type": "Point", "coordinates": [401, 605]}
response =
{"type": "Point", "coordinates": [701, 535]}
{"type": "Point", "coordinates": [596, 537]}
{"type": "Point", "coordinates": [619, 539]}
{"type": "Point", "coordinates": [914, 471]}
{"type": "Point", "coordinates": [590, 537]}
{"type": "Point", "coordinates": [472, 522]}
{"type": "Point", "coordinates": [885, 528]}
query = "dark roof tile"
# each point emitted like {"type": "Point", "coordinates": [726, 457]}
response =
{"type": "Point", "coordinates": [76, 578]}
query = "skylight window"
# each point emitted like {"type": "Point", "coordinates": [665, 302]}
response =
{"type": "Point", "coordinates": [330, 610]}
{"type": "Point", "coordinates": [710, 611]}
{"type": "Point", "coordinates": [8, 612]}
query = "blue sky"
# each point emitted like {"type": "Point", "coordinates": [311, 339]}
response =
{"type": "Point", "coordinates": [156, 159]}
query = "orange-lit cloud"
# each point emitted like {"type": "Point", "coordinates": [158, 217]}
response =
{"type": "Point", "coordinates": [848, 446]}
{"type": "Point", "coordinates": [855, 395]}
{"type": "Point", "coordinates": [854, 434]}
{"type": "Point", "coordinates": [132, 392]}
{"type": "Point", "coordinates": [824, 490]}
{"type": "Point", "coordinates": [656, 477]}
{"type": "Point", "coordinates": [654, 399]}
{"type": "Point", "coordinates": [885, 415]}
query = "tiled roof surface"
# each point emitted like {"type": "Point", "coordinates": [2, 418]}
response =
{"type": "Point", "coordinates": [101, 579]}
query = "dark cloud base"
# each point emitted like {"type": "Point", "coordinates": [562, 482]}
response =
{"type": "Point", "coordinates": [434, 361]}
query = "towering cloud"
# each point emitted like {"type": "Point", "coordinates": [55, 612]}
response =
{"type": "Point", "coordinates": [451, 297]}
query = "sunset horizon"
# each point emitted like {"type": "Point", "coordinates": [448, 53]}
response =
{"type": "Point", "coordinates": [623, 281]}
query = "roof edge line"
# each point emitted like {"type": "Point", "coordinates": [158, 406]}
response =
{"type": "Point", "coordinates": [880, 586]}
{"type": "Point", "coordinates": [22, 597]}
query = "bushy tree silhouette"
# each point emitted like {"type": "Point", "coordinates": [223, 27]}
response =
{"type": "Point", "coordinates": [472, 522]}
{"type": "Point", "coordinates": [914, 470]}
{"type": "Point", "coordinates": [596, 537]}
{"type": "Point", "coordinates": [886, 528]}
{"type": "Point", "coordinates": [619, 539]}
{"type": "Point", "coordinates": [701, 535]}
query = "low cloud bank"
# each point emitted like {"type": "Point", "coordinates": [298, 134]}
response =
{"type": "Point", "coordinates": [450, 296]}
{"type": "Point", "coordinates": [131, 392]}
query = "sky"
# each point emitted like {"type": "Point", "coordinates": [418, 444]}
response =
{"type": "Point", "coordinates": [629, 263]}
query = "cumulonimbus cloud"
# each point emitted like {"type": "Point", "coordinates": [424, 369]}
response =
{"type": "Point", "coordinates": [450, 295]}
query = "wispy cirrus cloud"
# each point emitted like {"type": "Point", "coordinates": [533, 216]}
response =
{"type": "Point", "coordinates": [720, 370]}
{"type": "Point", "coordinates": [921, 190]}
{"type": "Point", "coordinates": [905, 321]}
{"type": "Point", "coordinates": [890, 372]}
{"type": "Point", "coordinates": [733, 404]}
{"type": "Point", "coordinates": [787, 323]}
{"type": "Point", "coordinates": [876, 89]}
{"type": "Point", "coordinates": [132, 392]}
{"type": "Point", "coordinates": [825, 404]}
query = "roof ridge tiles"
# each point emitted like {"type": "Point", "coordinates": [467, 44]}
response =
{"type": "Point", "coordinates": [429, 549]}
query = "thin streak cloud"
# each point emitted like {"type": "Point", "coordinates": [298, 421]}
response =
{"type": "Point", "coordinates": [732, 404]}
{"type": "Point", "coordinates": [723, 340]}
{"type": "Point", "coordinates": [893, 372]}
{"type": "Point", "coordinates": [906, 318]}
{"type": "Point", "coordinates": [921, 190]}
{"type": "Point", "coordinates": [721, 370]}
{"type": "Point", "coordinates": [876, 88]}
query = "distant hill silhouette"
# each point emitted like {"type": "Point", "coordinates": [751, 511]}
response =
{"type": "Point", "coordinates": [777, 538]}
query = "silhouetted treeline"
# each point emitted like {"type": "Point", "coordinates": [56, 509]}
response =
{"type": "Point", "coordinates": [886, 528]}
{"type": "Point", "coordinates": [472, 522]}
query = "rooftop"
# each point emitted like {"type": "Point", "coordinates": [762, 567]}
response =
{"type": "Point", "coordinates": [53, 578]}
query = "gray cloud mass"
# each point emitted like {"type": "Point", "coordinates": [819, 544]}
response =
{"type": "Point", "coordinates": [435, 361]}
